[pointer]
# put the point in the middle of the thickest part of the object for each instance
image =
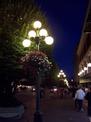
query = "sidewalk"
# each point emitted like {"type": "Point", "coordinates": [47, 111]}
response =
{"type": "Point", "coordinates": [53, 109]}
{"type": "Point", "coordinates": [63, 111]}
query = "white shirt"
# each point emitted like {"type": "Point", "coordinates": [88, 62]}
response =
{"type": "Point", "coordinates": [80, 94]}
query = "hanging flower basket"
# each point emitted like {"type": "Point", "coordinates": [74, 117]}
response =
{"type": "Point", "coordinates": [36, 62]}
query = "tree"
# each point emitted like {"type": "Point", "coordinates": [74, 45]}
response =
{"type": "Point", "coordinates": [15, 20]}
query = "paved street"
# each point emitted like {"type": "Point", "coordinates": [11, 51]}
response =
{"type": "Point", "coordinates": [54, 110]}
{"type": "Point", "coordinates": [63, 111]}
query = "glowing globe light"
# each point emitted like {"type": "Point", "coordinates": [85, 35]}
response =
{"type": "Point", "coordinates": [43, 32]}
{"type": "Point", "coordinates": [49, 40]}
{"type": "Point", "coordinates": [89, 65]}
{"type": "Point", "coordinates": [85, 68]}
{"type": "Point", "coordinates": [37, 24]}
{"type": "Point", "coordinates": [58, 75]}
{"type": "Point", "coordinates": [64, 75]}
{"type": "Point", "coordinates": [32, 33]}
{"type": "Point", "coordinates": [61, 70]}
{"type": "Point", "coordinates": [26, 43]}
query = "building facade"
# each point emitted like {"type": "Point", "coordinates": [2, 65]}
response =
{"type": "Point", "coordinates": [83, 53]}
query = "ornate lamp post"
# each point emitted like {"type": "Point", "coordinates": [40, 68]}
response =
{"type": "Point", "coordinates": [38, 34]}
{"type": "Point", "coordinates": [61, 75]}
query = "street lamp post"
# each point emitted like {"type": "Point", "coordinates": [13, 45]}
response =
{"type": "Point", "coordinates": [61, 75]}
{"type": "Point", "coordinates": [38, 34]}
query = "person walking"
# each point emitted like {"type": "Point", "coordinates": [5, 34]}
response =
{"type": "Point", "coordinates": [88, 98]}
{"type": "Point", "coordinates": [79, 97]}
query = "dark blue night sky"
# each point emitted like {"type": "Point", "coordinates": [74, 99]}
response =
{"type": "Point", "coordinates": [65, 18]}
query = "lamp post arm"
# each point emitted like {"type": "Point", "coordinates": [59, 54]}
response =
{"type": "Point", "coordinates": [37, 41]}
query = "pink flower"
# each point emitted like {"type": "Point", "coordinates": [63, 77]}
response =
{"type": "Point", "coordinates": [36, 61]}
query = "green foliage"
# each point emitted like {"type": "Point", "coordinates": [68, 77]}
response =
{"type": "Point", "coordinates": [16, 17]}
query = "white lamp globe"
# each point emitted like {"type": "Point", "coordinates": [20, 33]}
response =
{"type": "Point", "coordinates": [85, 68]}
{"type": "Point", "coordinates": [43, 32]}
{"type": "Point", "coordinates": [32, 33]}
{"type": "Point", "coordinates": [26, 42]}
{"type": "Point", "coordinates": [37, 24]}
{"type": "Point", "coordinates": [49, 40]}
{"type": "Point", "coordinates": [89, 65]}
{"type": "Point", "coordinates": [58, 76]}
{"type": "Point", "coordinates": [64, 75]}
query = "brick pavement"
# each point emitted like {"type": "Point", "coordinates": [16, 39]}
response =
{"type": "Point", "coordinates": [54, 110]}
{"type": "Point", "coordinates": [63, 111]}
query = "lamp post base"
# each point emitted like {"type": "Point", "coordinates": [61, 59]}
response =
{"type": "Point", "coordinates": [38, 117]}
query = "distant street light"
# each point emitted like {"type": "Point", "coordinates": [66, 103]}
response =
{"type": "Point", "coordinates": [61, 75]}
{"type": "Point", "coordinates": [38, 34]}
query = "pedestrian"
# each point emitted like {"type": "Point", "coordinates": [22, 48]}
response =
{"type": "Point", "coordinates": [79, 97]}
{"type": "Point", "coordinates": [75, 100]}
{"type": "Point", "coordinates": [73, 91]}
{"type": "Point", "coordinates": [88, 98]}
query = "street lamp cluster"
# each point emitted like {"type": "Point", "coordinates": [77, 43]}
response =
{"type": "Point", "coordinates": [37, 34]}
{"type": "Point", "coordinates": [62, 76]}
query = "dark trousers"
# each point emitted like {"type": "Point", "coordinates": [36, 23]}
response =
{"type": "Point", "coordinates": [76, 104]}
{"type": "Point", "coordinates": [80, 103]}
